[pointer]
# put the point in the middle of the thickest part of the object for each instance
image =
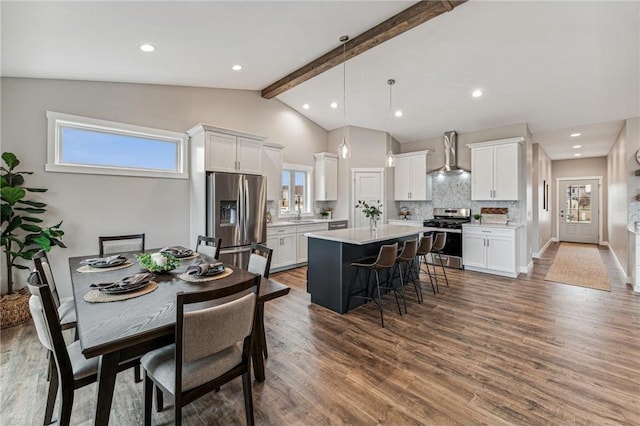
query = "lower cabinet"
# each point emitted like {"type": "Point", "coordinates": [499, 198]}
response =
{"type": "Point", "coordinates": [290, 245]}
{"type": "Point", "coordinates": [489, 249]}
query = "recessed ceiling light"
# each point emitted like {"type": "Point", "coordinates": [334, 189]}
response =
{"type": "Point", "coordinates": [575, 135]}
{"type": "Point", "coordinates": [398, 113]}
{"type": "Point", "coordinates": [147, 48]}
{"type": "Point", "coordinates": [305, 106]}
{"type": "Point", "coordinates": [577, 154]}
{"type": "Point", "coordinates": [334, 105]}
{"type": "Point", "coordinates": [476, 93]}
{"type": "Point", "coordinates": [577, 146]}
{"type": "Point", "coordinates": [236, 67]}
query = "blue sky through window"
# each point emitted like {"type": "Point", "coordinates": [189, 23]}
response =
{"type": "Point", "coordinates": [92, 147]}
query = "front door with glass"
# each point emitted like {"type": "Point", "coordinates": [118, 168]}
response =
{"type": "Point", "coordinates": [578, 211]}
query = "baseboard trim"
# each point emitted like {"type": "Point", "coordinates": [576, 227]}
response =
{"type": "Point", "coordinates": [525, 269]}
{"type": "Point", "coordinates": [544, 248]}
{"type": "Point", "coordinates": [628, 279]}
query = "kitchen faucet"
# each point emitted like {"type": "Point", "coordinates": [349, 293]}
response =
{"type": "Point", "coordinates": [299, 216]}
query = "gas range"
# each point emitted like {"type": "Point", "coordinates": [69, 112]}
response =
{"type": "Point", "coordinates": [449, 221]}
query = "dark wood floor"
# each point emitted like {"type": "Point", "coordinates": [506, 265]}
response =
{"type": "Point", "coordinates": [486, 350]}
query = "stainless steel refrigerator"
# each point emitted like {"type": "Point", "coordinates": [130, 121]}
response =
{"type": "Point", "coordinates": [236, 213]}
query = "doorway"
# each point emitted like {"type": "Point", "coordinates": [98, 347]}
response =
{"type": "Point", "coordinates": [368, 185]}
{"type": "Point", "coordinates": [579, 202]}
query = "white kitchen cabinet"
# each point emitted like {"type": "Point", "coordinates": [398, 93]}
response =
{"type": "Point", "coordinates": [303, 248]}
{"type": "Point", "coordinates": [283, 241]}
{"type": "Point", "coordinates": [410, 177]}
{"type": "Point", "coordinates": [229, 150]}
{"type": "Point", "coordinates": [495, 170]}
{"type": "Point", "coordinates": [326, 176]}
{"type": "Point", "coordinates": [489, 249]}
{"type": "Point", "coordinates": [272, 169]}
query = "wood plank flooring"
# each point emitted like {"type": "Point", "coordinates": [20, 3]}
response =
{"type": "Point", "coordinates": [486, 350]}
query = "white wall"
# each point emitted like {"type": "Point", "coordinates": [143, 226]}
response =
{"type": "Point", "coordinates": [541, 216]}
{"type": "Point", "coordinates": [93, 205]}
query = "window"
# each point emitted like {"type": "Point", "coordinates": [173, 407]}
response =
{"type": "Point", "coordinates": [296, 193]}
{"type": "Point", "coordinates": [579, 203]}
{"type": "Point", "coordinates": [86, 145]}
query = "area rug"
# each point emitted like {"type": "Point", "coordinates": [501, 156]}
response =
{"type": "Point", "coordinates": [579, 264]}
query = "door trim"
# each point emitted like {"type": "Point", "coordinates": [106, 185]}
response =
{"type": "Point", "coordinates": [353, 190]}
{"type": "Point", "coordinates": [600, 204]}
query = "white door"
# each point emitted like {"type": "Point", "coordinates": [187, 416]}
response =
{"type": "Point", "coordinates": [367, 186]}
{"type": "Point", "coordinates": [578, 211]}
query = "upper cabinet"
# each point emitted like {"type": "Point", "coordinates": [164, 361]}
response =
{"type": "Point", "coordinates": [410, 177]}
{"type": "Point", "coordinates": [495, 169]}
{"type": "Point", "coordinates": [326, 176]}
{"type": "Point", "coordinates": [229, 150]}
{"type": "Point", "coordinates": [272, 169]}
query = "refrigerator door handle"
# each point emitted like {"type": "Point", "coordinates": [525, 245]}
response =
{"type": "Point", "coordinates": [247, 207]}
{"type": "Point", "coordinates": [243, 211]}
{"type": "Point", "coordinates": [235, 250]}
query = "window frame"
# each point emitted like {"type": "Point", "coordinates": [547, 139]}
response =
{"type": "Point", "coordinates": [308, 199]}
{"type": "Point", "coordinates": [56, 121]}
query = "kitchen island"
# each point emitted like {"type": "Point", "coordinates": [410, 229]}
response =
{"type": "Point", "coordinates": [331, 252]}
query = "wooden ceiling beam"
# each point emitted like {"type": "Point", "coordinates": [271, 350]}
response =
{"type": "Point", "coordinates": [409, 18]}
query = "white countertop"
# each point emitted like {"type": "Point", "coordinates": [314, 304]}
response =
{"type": "Point", "coordinates": [492, 225]}
{"type": "Point", "coordinates": [303, 221]}
{"type": "Point", "coordinates": [364, 235]}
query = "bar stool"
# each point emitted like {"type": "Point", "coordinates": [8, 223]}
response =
{"type": "Point", "coordinates": [424, 249]}
{"type": "Point", "coordinates": [436, 251]}
{"type": "Point", "coordinates": [407, 258]}
{"type": "Point", "coordinates": [385, 261]}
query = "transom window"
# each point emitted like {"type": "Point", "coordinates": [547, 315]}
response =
{"type": "Point", "coordinates": [87, 145]}
{"type": "Point", "coordinates": [296, 193]}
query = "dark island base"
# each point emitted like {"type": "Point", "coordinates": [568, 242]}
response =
{"type": "Point", "coordinates": [329, 272]}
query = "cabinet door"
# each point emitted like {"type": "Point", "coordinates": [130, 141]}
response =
{"type": "Point", "coordinates": [249, 155]}
{"type": "Point", "coordinates": [506, 172]}
{"type": "Point", "coordinates": [331, 178]}
{"type": "Point", "coordinates": [501, 254]}
{"type": "Point", "coordinates": [473, 250]}
{"type": "Point", "coordinates": [302, 248]}
{"type": "Point", "coordinates": [220, 151]}
{"type": "Point", "coordinates": [274, 244]}
{"type": "Point", "coordinates": [418, 178]}
{"type": "Point", "coordinates": [288, 249]}
{"type": "Point", "coordinates": [482, 173]}
{"type": "Point", "coordinates": [272, 169]}
{"type": "Point", "coordinates": [402, 179]}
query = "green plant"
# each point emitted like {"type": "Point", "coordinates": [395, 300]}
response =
{"type": "Point", "coordinates": [477, 216]}
{"type": "Point", "coordinates": [370, 210]}
{"type": "Point", "coordinates": [21, 236]}
{"type": "Point", "coordinates": [146, 261]}
{"type": "Point", "coordinates": [324, 213]}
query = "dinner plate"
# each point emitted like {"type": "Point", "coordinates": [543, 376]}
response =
{"type": "Point", "coordinates": [124, 289]}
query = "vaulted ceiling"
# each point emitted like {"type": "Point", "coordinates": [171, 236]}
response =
{"type": "Point", "coordinates": [562, 67]}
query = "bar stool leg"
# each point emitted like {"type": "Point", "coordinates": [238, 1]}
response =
{"type": "Point", "coordinates": [423, 259]}
{"type": "Point", "coordinates": [404, 299]}
{"type": "Point", "coordinates": [446, 280]}
{"type": "Point", "coordinates": [378, 301]}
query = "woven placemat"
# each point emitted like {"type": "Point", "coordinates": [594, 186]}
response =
{"type": "Point", "coordinates": [192, 279]}
{"type": "Point", "coordinates": [97, 296]}
{"type": "Point", "coordinates": [88, 268]}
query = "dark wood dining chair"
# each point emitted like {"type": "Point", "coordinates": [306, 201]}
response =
{"type": "Point", "coordinates": [209, 246]}
{"type": "Point", "coordinates": [68, 367]}
{"type": "Point", "coordinates": [213, 347]}
{"type": "Point", "coordinates": [260, 263]}
{"type": "Point", "coordinates": [121, 243]}
{"type": "Point", "coordinates": [65, 307]}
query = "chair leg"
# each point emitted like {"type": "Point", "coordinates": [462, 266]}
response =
{"type": "Point", "coordinates": [159, 400]}
{"type": "Point", "coordinates": [177, 421]}
{"type": "Point", "coordinates": [67, 405]}
{"type": "Point", "coordinates": [248, 397]}
{"type": "Point", "coordinates": [137, 376]}
{"type": "Point", "coordinates": [52, 393]}
{"type": "Point", "coordinates": [148, 398]}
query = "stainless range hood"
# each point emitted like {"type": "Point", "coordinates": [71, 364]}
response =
{"type": "Point", "coordinates": [450, 140]}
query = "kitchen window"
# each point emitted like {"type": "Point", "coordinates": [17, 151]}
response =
{"type": "Point", "coordinates": [296, 189]}
{"type": "Point", "coordinates": [78, 144]}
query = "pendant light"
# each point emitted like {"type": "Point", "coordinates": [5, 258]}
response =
{"type": "Point", "coordinates": [390, 161]}
{"type": "Point", "coordinates": [344, 149]}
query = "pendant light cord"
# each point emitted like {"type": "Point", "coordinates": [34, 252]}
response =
{"type": "Point", "coordinates": [344, 39]}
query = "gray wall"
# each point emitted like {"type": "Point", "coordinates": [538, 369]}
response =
{"type": "Point", "coordinates": [93, 205]}
{"type": "Point", "coordinates": [541, 222]}
{"type": "Point", "coordinates": [584, 167]}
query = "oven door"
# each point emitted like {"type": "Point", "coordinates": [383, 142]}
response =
{"type": "Point", "coordinates": [452, 252]}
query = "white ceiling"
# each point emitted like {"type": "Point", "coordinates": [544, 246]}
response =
{"type": "Point", "coordinates": [562, 67]}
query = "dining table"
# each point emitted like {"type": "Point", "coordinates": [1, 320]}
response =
{"type": "Point", "coordinates": [127, 329]}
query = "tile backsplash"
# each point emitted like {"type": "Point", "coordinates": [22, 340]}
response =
{"type": "Point", "coordinates": [454, 191]}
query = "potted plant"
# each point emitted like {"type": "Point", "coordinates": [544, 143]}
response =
{"type": "Point", "coordinates": [477, 217]}
{"type": "Point", "coordinates": [373, 212]}
{"type": "Point", "coordinates": [22, 236]}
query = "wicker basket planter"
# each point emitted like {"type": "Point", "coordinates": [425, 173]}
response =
{"type": "Point", "coordinates": [14, 309]}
